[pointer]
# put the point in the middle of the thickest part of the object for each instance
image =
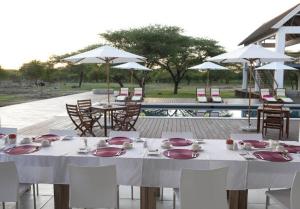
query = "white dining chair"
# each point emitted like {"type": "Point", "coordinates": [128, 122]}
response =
{"type": "Point", "coordinates": [4, 130]}
{"type": "Point", "coordinates": [129, 134]}
{"type": "Point", "coordinates": [93, 187]}
{"type": "Point", "coordinates": [170, 134]}
{"type": "Point", "coordinates": [63, 132]}
{"type": "Point", "coordinates": [10, 188]}
{"type": "Point", "coordinates": [202, 189]}
{"type": "Point", "coordinates": [286, 198]}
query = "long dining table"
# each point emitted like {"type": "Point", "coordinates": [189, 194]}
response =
{"type": "Point", "coordinates": [49, 165]}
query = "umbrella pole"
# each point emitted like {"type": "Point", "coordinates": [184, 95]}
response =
{"type": "Point", "coordinates": [107, 80]}
{"type": "Point", "coordinates": [207, 82]}
{"type": "Point", "coordinates": [250, 81]}
{"type": "Point", "coordinates": [131, 79]}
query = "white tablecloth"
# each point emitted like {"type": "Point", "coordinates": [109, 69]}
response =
{"type": "Point", "coordinates": [50, 165]}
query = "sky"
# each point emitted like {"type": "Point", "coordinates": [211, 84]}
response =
{"type": "Point", "coordinates": [37, 29]}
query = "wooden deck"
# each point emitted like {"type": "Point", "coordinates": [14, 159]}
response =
{"type": "Point", "coordinates": [152, 127]}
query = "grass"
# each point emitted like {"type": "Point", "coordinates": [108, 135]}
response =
{"type": "Point", "coordinates": [18, 94]}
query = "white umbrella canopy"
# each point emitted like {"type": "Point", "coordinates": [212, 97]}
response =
{"type": "Point", "coordinates": [132, 66]}
{"type": "Point", "coordinates": [105, 54]}
{"type": "Point", "coordinates": [275, 66]}
{"type": "Point", "coordinates": [250, 54]}
{"type": "Point", "coordinates": [207, 66]}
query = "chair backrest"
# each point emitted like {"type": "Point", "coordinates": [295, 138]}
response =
{"type": "Point", "coordinates": [133, 109]}
{"type": "Point", "coordinates": [138, 92]}
{"type": "Point", "coordinates": [74, 114]}
{"type": "Point", "coordinates": [203, 189]}
{"type": "Point", "coordinates": [215, 92]}
{"type": "Point", "coordinates": [129, 134]}
{"type": "Point", "coordinates": [264, 92]}
{"type": "Point", "coordinates": [65, 132]}
{"type": "Point", "coordinates": [201, 92]}
{"type": "Point", "coordinates": [93, 187]}
{"type": "Point", "coordinates": [8, 130]}
{"type": "Point", "coordinates": [9, 182]}
{"type": "Point", "coordinates": [272, 109]}
{"type": "Point", "coordinates": [295, 192]}
{"type": "Point", "coordinates": [280, 92]}
{"type": "Point", "coordinates": [84, 104]}
{"type": "Point", "coordinates": [124, 91]}
{"type": "Point", "coordinates": [168, 134]}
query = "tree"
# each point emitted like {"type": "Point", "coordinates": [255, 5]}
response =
{"type": "Point", "coordinates": [165, 47]}
{"type": "Point", "coordinates": [33, 70]}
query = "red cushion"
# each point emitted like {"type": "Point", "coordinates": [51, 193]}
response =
{"type": "Point", "coordinates": [200, 94]}
{"type": "Point", "coordinates": [123, 94]}
{"type": "Point", "coordinates": [267, 96]}
{"type": "Point", "coordinates": [137, 94]}
{"type": "Point", "coordinates": [216, 95]}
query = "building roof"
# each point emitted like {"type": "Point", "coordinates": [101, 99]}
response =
{"type": "Point", "coordinates": [288, 18]}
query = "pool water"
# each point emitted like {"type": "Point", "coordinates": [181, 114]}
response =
{"type": "Point", "coordinates": [162, 112]}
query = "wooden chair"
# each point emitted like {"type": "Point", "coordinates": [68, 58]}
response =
{"type": "Point", "coordinates": [125, 120]}
{"type": "Point", "coordinates": [85, 108]}
{"type": "Point", "coordinates": [81, 122]}
{"type": "Point", "coordinates": [273, 117]}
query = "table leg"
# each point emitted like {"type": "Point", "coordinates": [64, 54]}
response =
{"type": "Point", "coordinates": [287, 128]}
{"type": "Point", "coordinates": [258, 121]}
{"type": "Point", "coordinates": [105, 124]}
{"type": "Point", "coordinates": [61, 196]}
{"type": "Point", "coordinates": [238, 199]}
{"type": "Point", "coordinates": [148, 199]}
{"type": "Point", "coordinates": [111, 120]}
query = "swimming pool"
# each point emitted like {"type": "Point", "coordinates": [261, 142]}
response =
{"type": "Point", "coordinates": [208, 112]}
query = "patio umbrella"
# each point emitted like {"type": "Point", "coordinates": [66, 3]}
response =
{"type": "Point", "coordinates": [250, 54]}
{"type": "Point", "coordinates": [207, 66]}
{"type": "Point", "coordinates": [107, 55]}
{"type": "Point", "coordinates": [275, 66]}
{"type": "Point", "coordinates": [132, 66]}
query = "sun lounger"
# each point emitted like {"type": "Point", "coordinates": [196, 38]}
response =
{"type": "Point", "coordinates": [215, 95]}
{"type": "Point", "coordinates": [201, 96]}
{"type": "Point", "coordinates": [266, 96]}
{"type": "Point", "coordinates": [281, 95]}
{"type": "Point", "coordinates": [137, 95]}
{"type": "Point", "coordinates": [122, 97]}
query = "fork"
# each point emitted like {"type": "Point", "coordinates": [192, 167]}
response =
{"type": "Point", "coordinates": [261, 157]}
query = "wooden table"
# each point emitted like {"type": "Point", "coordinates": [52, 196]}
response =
{"type": "Point", "coordinates": [108, 111]}
{"type": "Point", "coordinates": [286, 112]}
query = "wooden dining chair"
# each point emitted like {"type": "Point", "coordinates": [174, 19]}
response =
{"type": "Point", "coordinates": [93, 187]}
{"type": "Point", "coordinates": [273, 118]}
{"type": "Point", "coordinates": [85, 108]}
{"type": "Point", "coordinates": [126, 120]}
{"type": "Point", "coordinates": [286, 198]}
{"type": "Point", "coordinates": [81, 122]}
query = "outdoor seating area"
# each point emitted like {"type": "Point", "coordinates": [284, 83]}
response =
{"type": "Point", "coordinates": [152, 117]}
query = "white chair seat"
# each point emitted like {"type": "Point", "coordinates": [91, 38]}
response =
{"type": "Point", "coordinates": [121, 98]}
{"type": "Point", "coordinates": [286, 99]}
{"type": "Point", "coordinates": [136, 98]}
{"type": "Point", "coordinates": [216, 99]}
{"type": "Point", "coordinates": [270, 99]}
{"type": "Point", "coordinates": [202, 99]}
{"type": "Point", "coordinates": [282, 197]}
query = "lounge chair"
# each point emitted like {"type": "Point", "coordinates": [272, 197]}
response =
{"type": "Point", "coordinates": [137, 95]}
{"type": "Point", "coordinates": [123, 95]}
{"type": "Point", "coordinates": [266, 96]}
{"type": "Point", "coordinates": [281, 96]}
{"type": "Point", "coordinates": [215, 95]}
{"type": "Point", "coordinates": [201, 95]}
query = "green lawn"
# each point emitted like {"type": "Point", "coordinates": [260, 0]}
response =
{"type": "Point", "coordinates": [15, 95]}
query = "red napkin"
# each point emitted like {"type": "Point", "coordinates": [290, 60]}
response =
{"type": "Point", "coordinates": [180, 154]}
{"type": "Point", "coordinates": [291, 148]}
{"type": "Point", "coordinates": [109, 152]}
{"type": "Point", "coordinates": [119, 140]}
{"type": "Point", "coordinates": [49, 137]}
{"type": "Point", "coordinates": [20, 150]}
{"type": "Point", "coordinates": [272, 156]}
{"type": "Point", "coordinates": [179, 141]}
{"type": "Point", "coordinates": [2, 135]}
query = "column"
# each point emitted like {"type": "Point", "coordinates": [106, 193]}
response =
{"type": "Point", "coordinates": [280, 47]}
{"type": "Point", "coordinates": [245, 77]}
